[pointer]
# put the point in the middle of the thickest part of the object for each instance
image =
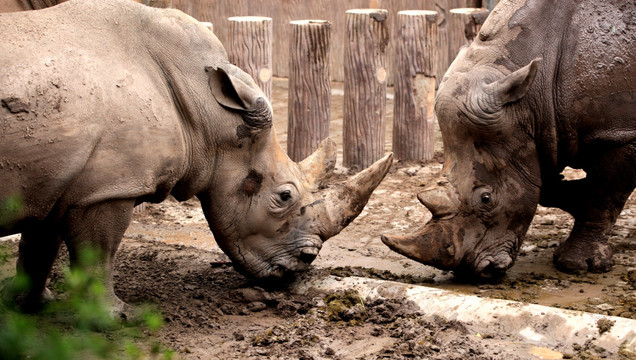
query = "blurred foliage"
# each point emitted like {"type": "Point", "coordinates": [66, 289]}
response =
{"type": "Point", "coordinates": [10, 207]}
{"type": "Point", "coordinates": [79, 325]}
{"type": "Point", "coordinates": [5, 254]}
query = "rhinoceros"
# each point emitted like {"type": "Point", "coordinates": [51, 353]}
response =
{"type": "Point", "coordinates": [108, 104]}
{"type": "Point", "coordinates": [547, 84]}
{"type": "Point", "coordinates": [22, 5]}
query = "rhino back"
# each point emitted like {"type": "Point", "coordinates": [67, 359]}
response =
{"type": "Point", "coordinates": [590, 51]}
{"type": "Point", "coordinates": [585, 92]}
{"type": "Point", "coordinates": [596, 92]}
{"type": "Point", "coordinates": [87, 111]}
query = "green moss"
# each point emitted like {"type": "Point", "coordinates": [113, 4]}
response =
{"type": "Point", "coordinates": [625, 354]}
{"type": "Point", "coordinates": [5, 253]}
{"type": "Point", "coordinates": [270, 336]}
{"type": "Point", "coordinates": [630, 278]}
{"type": "Point", "coordinates": [348, 271]}
{"type": "Point", "coordinates": [345, 306]}
{"type": "Point", "coordinates": [604, 325]}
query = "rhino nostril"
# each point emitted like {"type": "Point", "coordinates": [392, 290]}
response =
{"type": "Point", "coordinates": [503, 262]}
{"type": "Point", "coordinates": [482, 268]}
{"type": "Point", "coordinates": [308, 255]}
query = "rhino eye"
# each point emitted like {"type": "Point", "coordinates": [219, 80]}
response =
{"type": "Point", "coordinates": [285, 195]}
{"type": "Point", "coordinates": [486, 197]}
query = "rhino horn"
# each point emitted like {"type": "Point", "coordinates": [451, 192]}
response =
{"type": "Point", "coordinates": [319, 166]}
{"type": "Point", "coordinates": [430, 246]}
{"type": "Point", "coordinates": [436, 243]}
{"type": "Point", "coordinates": [440, 199]}
{"type": "Point", "coordinates": [492, 97]}
{"type": "Point", "coordinates": [345, 202]}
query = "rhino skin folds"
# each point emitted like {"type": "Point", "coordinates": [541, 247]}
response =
{"type": "Point", "coordinates": [108, 104]}
{"type": "Point", "coordinates": [546, 84]}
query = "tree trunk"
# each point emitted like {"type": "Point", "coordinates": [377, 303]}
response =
{"type": "Point", "coordinates": [309, 98]}
{"type": "Point", "coordinates": [250, 48]}
{"type": "Point", "coordinates": [413, 118]}
{"type": "Point", "coordinates": [464, 25]}
{"type": "Point", "coordinates": [366, 39]}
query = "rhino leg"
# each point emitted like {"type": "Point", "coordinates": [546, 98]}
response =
{"type": "Point", "coordinates": [99, 229]}
{"type": "Point", "coordinates": [595, 202]}
{"type": "Point", "coordinates": [586, 249]}
{"type": "Point", "coordinates": [38, 249]}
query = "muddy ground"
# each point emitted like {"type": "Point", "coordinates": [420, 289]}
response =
{"type": "Point", "coordinates": [169, 258]}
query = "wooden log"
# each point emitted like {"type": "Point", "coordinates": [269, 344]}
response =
{"type": "Point", "coordinates": [413, 117]}
{"type": "Point", "coordinates": [158, 3]}
{"type": "Point", "coordinates": [208, 25]}
{"type": "Point", "coordinates": [473, 3]}
{"type": "Point", "coordinates": [309, 100]}
{"type": "Point", "coordinates": [442, 62]}
{"type": "Point", "coordinates": [490, 4]}
{"type": "Point", "coordinates": [284, 11]}
{"type": "Point", "coordinates": [250, 48]}
{"type": "Point", "coordinates": [464, 25]}
{"type": "Point", "coordinates": [366, 39]}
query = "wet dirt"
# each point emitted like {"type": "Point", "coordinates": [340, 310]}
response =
{"type": "Point", "coordinates": [169, 258]}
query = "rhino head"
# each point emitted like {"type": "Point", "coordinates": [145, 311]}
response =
{"type": "Point", "coordinates": [486, 196]}
{"type": "Point", "coordinates": [269, 214]}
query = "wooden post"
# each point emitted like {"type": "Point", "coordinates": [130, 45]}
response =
{"type": "Point", "coordinates": [490, 4]}
{"type": "Point", "coordinates": [473, 3]}
{"type": "Point", "coordinates": [366, 39]}
{"type": "Point", "coordinates": [208, 25]}
{"type": "Point", "coordinates": [413, 117]}
{"type": "Point", "coordinates": [250, 48]}
{"type": "Point", "coordinates": [158, 3]}
{"type": "Point", "coordinates": [309, 98]}
{"type": "Point", "coordinates": [442, 62]}
{"type": "Point", "coordinates": [464, 25]}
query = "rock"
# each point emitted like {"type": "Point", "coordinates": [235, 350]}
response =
{"type": "Point", "coordinates": [244, 311]}
{"type": "Point", "coordinates": [256, 306]}
{"type": "Point", "coordinates": [287, 308]}
{"type": "Point", "coordinates": [250, 295]}
{"type": "Point", "coordinates": [377, 331]}
{"type": "Point", "coordinates": [412, 171]}
{"type": "Point", "coordinates": [228, 309]}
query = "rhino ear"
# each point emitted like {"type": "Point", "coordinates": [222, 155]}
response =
{"type": "Point", "coordinates": [234, 89]}
{"type": "Point", "coordinates": [228, 90]}
{"type": "Point", "coordinates": [511, 88]}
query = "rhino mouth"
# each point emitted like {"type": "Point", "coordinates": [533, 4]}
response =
{"type": "Point", "coordinates": [492, 267]}
{"type": "Point", "coordinates": [296, 260]}
{"type": "Point", "coordinates": [486, 266]}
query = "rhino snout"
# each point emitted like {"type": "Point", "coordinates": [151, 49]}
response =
{"type": "Point", "coordinates": [308, 254]}
{"type": "Point", "coordinates": [493, 267]}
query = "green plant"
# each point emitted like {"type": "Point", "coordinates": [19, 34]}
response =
{"type": "Point", "coordinates": [10, 207]}
{"type": "Point", "coordinates": [79, 325]}
{"type": "Point", "coordinates": [5, 254]}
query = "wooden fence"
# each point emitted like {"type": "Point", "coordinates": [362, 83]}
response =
{"type": "Point", "coordinates": [284, 11]}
